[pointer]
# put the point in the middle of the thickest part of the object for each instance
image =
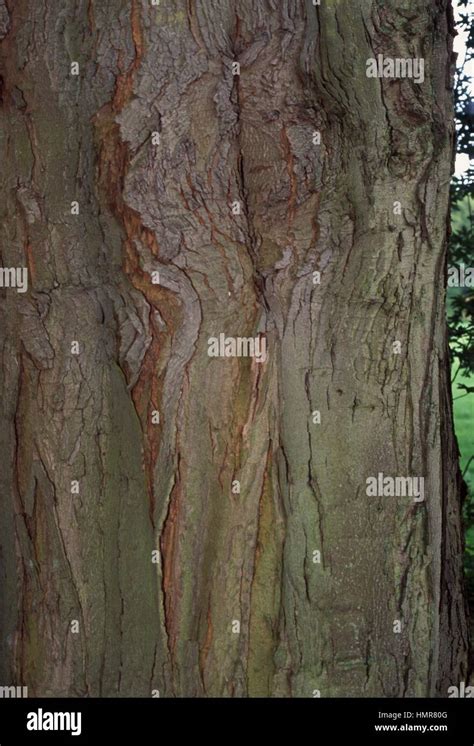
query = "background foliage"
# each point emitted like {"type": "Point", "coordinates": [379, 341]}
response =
{"type": "Point", "coordinates": [461, 300]}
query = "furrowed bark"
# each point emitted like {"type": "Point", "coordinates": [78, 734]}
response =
{"type": "Point", "coordinates": [165, 489]}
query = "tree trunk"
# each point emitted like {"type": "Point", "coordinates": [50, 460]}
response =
{"type": "Point", "coordinates": [131, 562]}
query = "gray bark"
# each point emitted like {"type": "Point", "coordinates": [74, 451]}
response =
{"type": "Point", "coordinates": [305, 208]}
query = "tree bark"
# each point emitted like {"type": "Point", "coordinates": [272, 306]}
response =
{"type": "Point", "coordinates": [136, 584]}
